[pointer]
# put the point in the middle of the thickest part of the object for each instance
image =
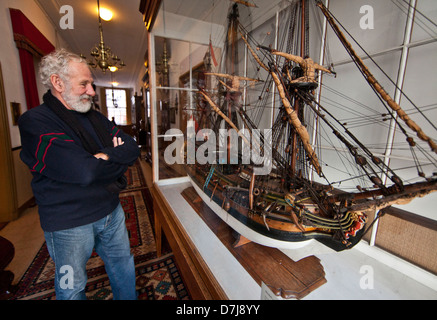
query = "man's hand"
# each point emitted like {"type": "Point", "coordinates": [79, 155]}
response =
{"type": "Point", "coordinates": [117, 142]}
{"type": "Point", "coordinates": [102, 156]}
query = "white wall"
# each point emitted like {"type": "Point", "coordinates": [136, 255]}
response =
{"type": "Point", "coordinates": [9, 57]}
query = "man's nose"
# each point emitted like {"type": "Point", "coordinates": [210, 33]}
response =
{"type": "Point", "coordinates": [90, 91]}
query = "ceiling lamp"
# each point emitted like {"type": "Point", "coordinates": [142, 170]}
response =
{"type": "Point", "coordinates": [105, 14]}
{"type": "Point", "coordinates": [102, 55]}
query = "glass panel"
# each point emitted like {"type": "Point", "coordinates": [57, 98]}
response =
{"type": "Point", "coordinates": [167, 169]}
{"type": "Point", "coordinates": [425, 18]}
{"type": "Point", "coordinates": [386, 16]}
{"type": "Point", "coordinates": [424, 206]}
{"type": "Point", "coordinates": [180, 70]}
{"type": "Point", "coordinates": [260, 110]}
{"type": "Point", "coordinates": [350, 99]}
{"type": "Point", "coordinates": [419, 87]}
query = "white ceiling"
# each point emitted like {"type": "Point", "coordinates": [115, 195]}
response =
{"type": "Point", "coordinates": [125, 34]}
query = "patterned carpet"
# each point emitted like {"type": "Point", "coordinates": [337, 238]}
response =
{"type": "Point", "coordinates": [157, 278]}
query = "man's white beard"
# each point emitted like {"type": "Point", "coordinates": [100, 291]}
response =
{"type": "Point", "coordinates": [75, 102]}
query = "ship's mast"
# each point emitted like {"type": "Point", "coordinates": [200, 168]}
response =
{"type": "Point", "coordinates": [302, 29]}
{"type": "Point", "coordinates": [231, 66]}
{"type": "Point", "coordinates": [297, 102]}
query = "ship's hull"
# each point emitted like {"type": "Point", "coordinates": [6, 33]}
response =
{"type": "Point", "coordinates": [269, 230]}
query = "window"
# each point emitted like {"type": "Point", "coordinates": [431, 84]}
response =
{"type": "Point", "coordinates": [116, 105]}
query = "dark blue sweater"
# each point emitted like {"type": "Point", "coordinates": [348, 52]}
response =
{"type": "Point", "coordinates": [69, 184]}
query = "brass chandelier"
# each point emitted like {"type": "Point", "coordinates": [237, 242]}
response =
{"type": "Point", "coordinates": [102, 54]}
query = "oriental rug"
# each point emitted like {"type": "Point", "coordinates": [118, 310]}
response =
{"type": "Point", "coordinates": [157, 278]}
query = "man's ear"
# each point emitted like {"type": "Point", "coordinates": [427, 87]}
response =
{"type": "Point", "coordinates": [57, 83]}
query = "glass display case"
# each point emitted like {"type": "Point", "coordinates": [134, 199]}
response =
{"type": "Point", "coordinates": [178, 71]}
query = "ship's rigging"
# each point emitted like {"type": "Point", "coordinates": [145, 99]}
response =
{"type": "Point", "coordinates": [309, 207]}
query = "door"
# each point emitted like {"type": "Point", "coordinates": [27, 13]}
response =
{"type": "Point", "coordinates": [8, 197]}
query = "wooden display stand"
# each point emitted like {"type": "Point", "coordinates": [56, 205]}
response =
{"type": "Point", "coordinates": [199, 279]}
{"type": "Point", "coordinates": [285, 277]}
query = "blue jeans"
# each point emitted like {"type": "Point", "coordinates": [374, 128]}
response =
{"type": "Point", "coordinates": [70, 250]}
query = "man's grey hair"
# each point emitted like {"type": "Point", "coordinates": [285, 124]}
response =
{"type": "Point", "coordinates": [57, 62]}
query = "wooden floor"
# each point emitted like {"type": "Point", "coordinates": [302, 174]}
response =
{"type": "Point", "coordinates": [285, 277]}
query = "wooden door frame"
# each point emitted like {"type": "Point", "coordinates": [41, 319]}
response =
{"type": "Point", "coordinates": [8, 190]}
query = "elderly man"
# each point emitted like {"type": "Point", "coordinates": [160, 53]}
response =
{"type": "Point", "coordinates": [78, 159]}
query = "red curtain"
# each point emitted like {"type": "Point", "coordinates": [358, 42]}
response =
{"type": "Point", "coordinates": [30, 43]}
{"type": "Point", "coordinates": [29, 79]}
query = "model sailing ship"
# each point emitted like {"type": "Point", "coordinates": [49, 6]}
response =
{"type": "Point", "coordinates": [295, 202]}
